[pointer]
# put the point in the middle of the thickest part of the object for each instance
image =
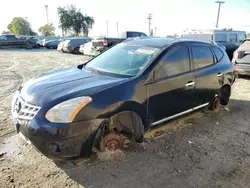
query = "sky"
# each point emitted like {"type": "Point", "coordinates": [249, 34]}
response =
{"type": "Point", "coordinates": [168, 16]}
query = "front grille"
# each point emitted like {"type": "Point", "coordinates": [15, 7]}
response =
{"type": "Point", "coordinates": [22, 110]}
{"type": "Point", "coordinates": [28, 112]}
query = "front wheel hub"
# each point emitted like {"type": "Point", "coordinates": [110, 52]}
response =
{"type": "Point", "coordinates": [112, 142]}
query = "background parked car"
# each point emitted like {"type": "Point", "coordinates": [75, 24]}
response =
{"type": "Point", "coordinates": [87, 49]}
{"type": "Point", "coordinates": [11, 41]}
{"type": "Point", "coordinates": [52, 44]}
{"type": "Point", "coordinates": [229, 38]}
{"type": "Point", "coordinates": [101, 44]}
{"type": "Point", "coordinates": [241, 58]}
{"type": "Point", "coordinates": [60, 46]}
{"type": "Point", "coordinates": [73, 45]}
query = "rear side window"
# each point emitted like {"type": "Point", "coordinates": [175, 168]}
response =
{"type": "Point", "coordinates": [233, 37]}
{"type": "Point", "coordinates": [175, 62]}
{"type": "Point", "coordinates": [220, 37]}
{"type": "Point", "coordinates": [202, 56]}
{"type": "Point", "coordinates": [218, 53]}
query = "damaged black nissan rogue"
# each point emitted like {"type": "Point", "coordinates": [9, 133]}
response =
{"type": "Point", "coordinates": [126, 90]}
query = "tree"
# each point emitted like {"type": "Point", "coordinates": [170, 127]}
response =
{"type": "Point", "coordinates": [88, 24]}
{"type": "Point", "coordinates": [248, 34]}
{"type": "Point", "coordinates": [72, 20]}
{"type": "Point", "coordinates": [20, 26]}
{"type": "Point", "coordinates": [47, 30]}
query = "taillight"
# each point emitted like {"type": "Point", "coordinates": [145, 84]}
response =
{"type": "Point", "coordinates": [235, 56]}
{"type": "Point", "coordinates": [105, 43]}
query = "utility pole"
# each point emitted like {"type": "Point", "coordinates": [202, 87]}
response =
{"type": "Point", "coordinates": [218, 16]}
{"type": "Point", "coordinates": [149, 23]}
{"type": "Point", "coordinates": [117, 28]}
{"type": "Point", "coordinates": [47, 15]}
{"type": "Point", "coordinates": [155, 31]}
{"type": "Point", "coordinates": [107, 28]}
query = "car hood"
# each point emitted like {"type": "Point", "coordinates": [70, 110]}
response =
{"type": "Point", "coordinates": [47, 89]}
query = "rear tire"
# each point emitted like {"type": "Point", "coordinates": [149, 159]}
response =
{"type": "Point", "coordinates": [215, 104]}
{"type": "Point", "coordinates": [225, 92]}
{"type": "Point", "coordinates": [76, 50]}
{"type": "Point", "coordinates": [28, 46]}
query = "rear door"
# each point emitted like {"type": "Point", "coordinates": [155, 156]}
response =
{"type": "Point", "coordinates": [172, 91]}
{"type": "Point", "coordinates": [207, 74]}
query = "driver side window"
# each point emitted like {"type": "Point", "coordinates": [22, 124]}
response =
{"type": "Point", "coordinates": [3, 38]}
{"type": "Point", "coordinates": [175, 62]}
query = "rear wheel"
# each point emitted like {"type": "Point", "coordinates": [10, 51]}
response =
{"type": "Point", "coordinates": [76, 50]}
{"type": "Point", "coordinates": [215, 104]}
{"type": "Point", "coordinates": [28, 46]}
{"type": "Point", "coordinates": [224, 94]}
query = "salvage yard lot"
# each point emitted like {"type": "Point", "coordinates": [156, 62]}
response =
{"type": "Point", "coordinates": [203, 149]}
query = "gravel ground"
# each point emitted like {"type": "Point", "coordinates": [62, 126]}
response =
{"type": "Point", "coordinates": [204, 149]}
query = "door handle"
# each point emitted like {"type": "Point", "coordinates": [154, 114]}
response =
{"type": "Point", "coordinates": [219, 74]}
{"type": "Point", "coordinates": [189, 84]}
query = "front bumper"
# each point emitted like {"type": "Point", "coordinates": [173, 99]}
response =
{"type": "Point", "coordinates": [59, 141]}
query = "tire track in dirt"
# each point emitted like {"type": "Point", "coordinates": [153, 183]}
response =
{"type": "Point", "coordinates": [16, 80]}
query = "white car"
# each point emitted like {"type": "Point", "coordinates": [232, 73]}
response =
{"type": "Point", "coordinates": [60, 46]}
{"type": "Point", "coordinates": [86, 49]}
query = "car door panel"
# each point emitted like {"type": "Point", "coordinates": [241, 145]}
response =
{"type": "Point", "coordinates": [171, 96]}
{"type": "Point", "coordinates": [172, 91]}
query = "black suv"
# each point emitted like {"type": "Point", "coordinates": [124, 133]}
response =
{"type": "Point", "coordinates": [125, 90]}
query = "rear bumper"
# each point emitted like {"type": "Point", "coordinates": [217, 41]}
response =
{"type": "Point", "coordinates": [242, 69]}
{"type": "Point", "coordinates": [60, 142]}
{"type": "Point", "coordinates": [67, 49]}
{"type": "Point", "coordinates": [81, 50]}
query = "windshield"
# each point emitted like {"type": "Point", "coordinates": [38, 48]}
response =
{"type": "Point", "coordinates": [124, 59]}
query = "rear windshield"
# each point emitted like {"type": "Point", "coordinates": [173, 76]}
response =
{"type": "Point", "coordinates": [245, 46]}
{"type": "Point", "coordinates": [123, 59]}
{"type": "Point", "coordinates": [78, 41]}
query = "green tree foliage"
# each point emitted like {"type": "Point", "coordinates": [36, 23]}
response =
{"type": "Point", "coordinates": [47, 30]}
{"type": "Point", "coordinates": [20, 26]}
{"type": "Point", "coordinates": [72, 20]}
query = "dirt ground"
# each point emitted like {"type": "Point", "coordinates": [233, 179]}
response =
{"type": "Point", "coordinates": [204, 149]}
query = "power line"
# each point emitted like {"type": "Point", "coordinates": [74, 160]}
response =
{"type": "Point", "coordinates": [149, 23]}
{"type": "Point", "coordinates": [218, 15]}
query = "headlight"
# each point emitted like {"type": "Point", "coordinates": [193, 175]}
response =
{"type": "Point", "coordinates": [65, 112]}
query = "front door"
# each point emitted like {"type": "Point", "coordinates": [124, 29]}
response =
{"type": "Point", "coordinates": [172, 91]}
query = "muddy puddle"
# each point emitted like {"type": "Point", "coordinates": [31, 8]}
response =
{"type": "Point", "coordinates": [15, 149]}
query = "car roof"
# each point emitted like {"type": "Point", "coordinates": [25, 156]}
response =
{"type": "Point", "coordinates": [161, 42]}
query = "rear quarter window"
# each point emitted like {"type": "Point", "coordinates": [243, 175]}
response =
{"type": "Point", "coordinates": [218, 53]}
